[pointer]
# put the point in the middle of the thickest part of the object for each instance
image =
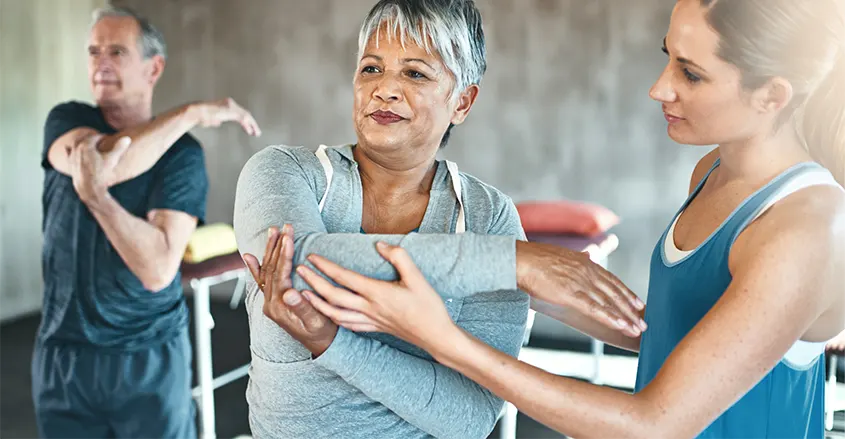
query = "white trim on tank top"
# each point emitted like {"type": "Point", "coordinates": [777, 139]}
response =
{"type": "Point", "coordinates": [802, 353]}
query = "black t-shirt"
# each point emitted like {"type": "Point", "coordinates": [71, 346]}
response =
{"type": "Point", "coordinates": [90, 295]}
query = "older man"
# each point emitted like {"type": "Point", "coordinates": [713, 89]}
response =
{"type": "Point", "coordinates": [123, 191]}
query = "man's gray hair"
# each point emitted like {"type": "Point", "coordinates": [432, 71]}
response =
{"type": "Point", "coordinates": [150, 39]}
{"type": "Point", "coordinates": [452, 27]}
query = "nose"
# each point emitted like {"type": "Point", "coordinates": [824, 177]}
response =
{"type": "Point", "coordinates": [388, 89]}
{"type": "Point", "coordinates": [662, 90]}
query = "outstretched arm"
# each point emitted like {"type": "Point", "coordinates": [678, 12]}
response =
{"type": "Point", "coordinates": [274, 189]}
{"type": "Point", "coordinates": [780, 289]}
{"type": "Point", "coordinates": [69, 124]}
{"type": "Point", "coordinates": [435, 398]}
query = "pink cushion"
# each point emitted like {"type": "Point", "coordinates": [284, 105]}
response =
{"type": "Point", "coordinates": [566, 217]}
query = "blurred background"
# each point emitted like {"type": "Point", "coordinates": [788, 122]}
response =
{"type": "Point", "coordinates": [563, 113]}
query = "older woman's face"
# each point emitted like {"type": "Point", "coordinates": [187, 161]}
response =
{"type": "Point", "coordinates": [402, 96]}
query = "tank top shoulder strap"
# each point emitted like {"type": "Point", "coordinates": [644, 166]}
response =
{"type": "Point", "coordinates": [797, 177]}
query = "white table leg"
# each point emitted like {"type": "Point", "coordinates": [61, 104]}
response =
{"type": "Point", "coordinates": [507, 425]}
{"type": "Point", "coordinates": [830, 395]}
{"type": "Point", "coordinates": [203, 323]}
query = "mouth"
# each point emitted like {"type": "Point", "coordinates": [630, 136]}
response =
{"type": "Point", "coordinates": [386, 117]}
{"type": "Point", "coordinates": [671, 118]}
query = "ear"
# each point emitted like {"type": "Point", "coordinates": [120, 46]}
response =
{"type": "Point", "coordinates": [772, 97]}
{"type": "Point", "coordinates": [156, 68]}
{"type": "Point", "coordinates": [465, 103]}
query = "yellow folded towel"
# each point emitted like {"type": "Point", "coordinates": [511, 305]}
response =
{"type": "Point", "coordinates": [209, 242]}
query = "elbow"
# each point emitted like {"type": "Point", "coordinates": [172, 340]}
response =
{"type": "Point", "coordinates": [159, 278]}
{"type": "Point", "coordinates": [649, 420]}
{"type": "Point", "coordinates": [480, 423]}
{"type": "Point", "coordinates": [156, 284]}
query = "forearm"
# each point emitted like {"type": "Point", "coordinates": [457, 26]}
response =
{"type": "Point", "coordinates": [433, 398]}
{"type": "Point", "coordinates": [141, 245]}
{"type": "Point", "coordinates": [586, 325]}
{"type": "Point", "coordinates": [571, 407]}
{"type": "Point", "coordinates": [456, 265]}
{"type": "Point", "coordinates": [149, 142]}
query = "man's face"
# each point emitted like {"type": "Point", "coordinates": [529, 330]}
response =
{"type": "Point", "coordinates": [117, 69]}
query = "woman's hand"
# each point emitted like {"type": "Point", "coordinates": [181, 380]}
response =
{"type": "Point", "coordinates": [408, 308]}
{"type": "Point", "coordinates": [570, 279]}
{"type": "Point", "coordinates": [283, 304]}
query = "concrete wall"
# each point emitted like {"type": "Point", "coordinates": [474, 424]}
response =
{"type": "Point", "coordinates": [42, 54]}
{"type": "Point", "coordinates": [563, 113]}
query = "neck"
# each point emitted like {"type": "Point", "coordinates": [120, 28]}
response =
{"type": "Point", "coordinates": [128, 113]}
{"type": "Point", "coordinates": [757, 160]}
{"type": "Point", "coordinates": [390, 176]}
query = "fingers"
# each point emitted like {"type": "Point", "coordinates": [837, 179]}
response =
{"type": "Point", "coordinates": [254, 268]}
{"type": "Point", "coordinates": [336, 296]}
{"type": "Point", "coordinates": [405, 266]}
{"type": "Point", "coordinates": [272, 277]}
{"type": "Point", "coordinates": [602, 314]}
{"type": "Point", "coordinates": [362, 285]}
{"type": "Point", "coordinates": [286, 257]}
{"type": "Point", "coordinates": [623, 298]}
{"type": "Point", "coordinates": [272, 240]}
{"type": "Point", "coordinates": [249, 124]}
{"type": "Point", "coordinates": [310, 317]}
{"type": "Point", "coordinates": [120, 147]}
{"type": "Point", "coordinates": [340, 316]}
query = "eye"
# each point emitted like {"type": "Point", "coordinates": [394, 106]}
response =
{"type": "Point", "coordinates": [369, 69]}
{"type": "Point", "coordinates": [691, 77]}
{"type": "Point", "coordinates": [665, 50]}
{"type": "Point", "coordinates": [416, 75]}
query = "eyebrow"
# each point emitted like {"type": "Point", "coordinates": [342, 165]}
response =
{"type": "Point", "coordinates": [404, 60]}
{"type": "Point", "coordinates": [683, 60]}
{"type": "Point", "coordinates": [109, 46]}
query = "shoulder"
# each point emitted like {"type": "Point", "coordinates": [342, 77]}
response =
{"type": "Point", "coordinates": [72, 107]}
{"type": "Point", "coordinates": [185, 153]}
{"type": "Point", "coordinates": [702, 168]}
{"type": "Point", "coordinates": [490, 205]}
{"type": "Point", "coordinates": [73, 113]}
{"type": "Point", "coordinates": [284, 158]}
{"type": "Point", "coordinates": [483, 195]}
{"type": "Point", "coordinates": [805, 227]}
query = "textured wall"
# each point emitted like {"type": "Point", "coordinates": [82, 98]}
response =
{"type": "Point", "coordinates": [563, 113]}
{"type": "Point", "coordinates": [42, 62]}
{"type": "Point", "coordinates": [564, 110]}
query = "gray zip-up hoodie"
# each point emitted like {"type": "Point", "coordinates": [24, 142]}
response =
{"type": "Point", "coordinates": [375, 385]}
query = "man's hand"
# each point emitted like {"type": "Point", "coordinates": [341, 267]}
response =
{"type": "Point", "coordinates": [283, 304]}
{"type": "Point", "coordinates": [91, 170]}
{"type": "Point", "coordinates": [214, 113]}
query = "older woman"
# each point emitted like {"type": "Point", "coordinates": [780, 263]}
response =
{"type": "Point", "coordinates": [420, 64]}
{"type": "Point", "coordinates": [746, 283]}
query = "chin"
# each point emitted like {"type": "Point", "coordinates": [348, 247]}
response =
{"type": "Point", "coordinates": [685, 137]}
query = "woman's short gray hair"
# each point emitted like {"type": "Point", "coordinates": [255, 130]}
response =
{"type": "Point", "coordinates": [452, 27]}
{"type": "Point", "coordinates": [151, 40]}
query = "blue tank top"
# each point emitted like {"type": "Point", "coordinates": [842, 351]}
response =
{"type": "Point", "coordinates": [789, 401]}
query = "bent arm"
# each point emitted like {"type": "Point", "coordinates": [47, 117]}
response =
{"type": "Point", "coordinates": [149, 141]}
{"type": "Point", "coordinates": [430, 396]}
{"type": "Point", "coordinates": [779, 290]}
{"type": "Point", "coordinates": [151, 249]}
{"type": "Point", "coordinates": [274, 189]}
